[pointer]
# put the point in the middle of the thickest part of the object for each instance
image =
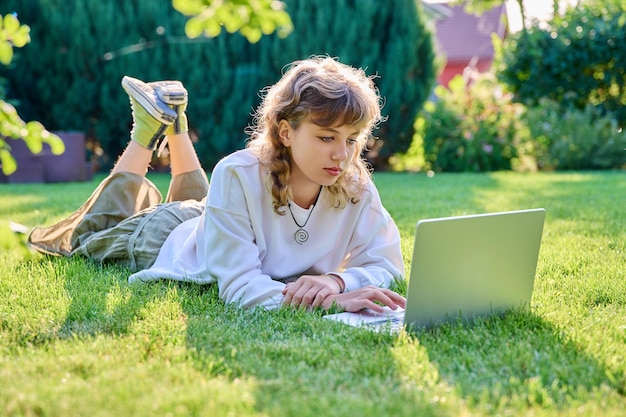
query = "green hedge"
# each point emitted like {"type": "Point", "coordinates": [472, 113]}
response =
{"type": "Point", "coordinates": [69, 76]}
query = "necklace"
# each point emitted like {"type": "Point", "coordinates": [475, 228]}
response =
{"type": "Point", "coordinates": [301, 235]}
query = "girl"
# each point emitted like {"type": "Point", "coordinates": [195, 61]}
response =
{"type": "Point", "coordinates": [294, 219]}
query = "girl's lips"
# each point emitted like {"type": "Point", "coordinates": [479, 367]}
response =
{"type": "Point", "coordinates": [333, 171]}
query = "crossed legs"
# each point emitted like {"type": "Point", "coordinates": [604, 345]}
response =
{"type": "Point", "coordinates": [158, 114]}
{"type": "Point", "coordinates": [136, 158]}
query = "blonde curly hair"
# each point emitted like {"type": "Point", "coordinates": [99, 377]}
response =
{"type": "Point", "coordinates": [325, 92]}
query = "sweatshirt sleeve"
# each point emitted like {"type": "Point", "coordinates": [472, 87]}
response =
{"type": "Point", "coordinates": [375, 256]}
{"type": "Point", "coordinates": [228, 246]}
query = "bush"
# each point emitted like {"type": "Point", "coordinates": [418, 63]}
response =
{"type": "Point", "coordinates": [577, 61]}
{"type": "Point", "coordinates": [470, 128]}
{"type": "Point", "coordinates": [575, 139]}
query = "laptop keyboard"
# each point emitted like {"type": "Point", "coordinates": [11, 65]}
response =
{"type": "Point", "coordinates": [392, 324]}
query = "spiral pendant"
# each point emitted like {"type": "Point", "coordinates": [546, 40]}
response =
{"type": "Point", "coordinates": [301, 236]}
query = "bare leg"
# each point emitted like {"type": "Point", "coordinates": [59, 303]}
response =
{"type": "Point", "coordinates": [135, 160]}
{"type": "Point", "coordinates": [183, 157]}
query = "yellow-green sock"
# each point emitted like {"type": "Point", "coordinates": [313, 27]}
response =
{"type": "Point", "coordinates": [180, 125]}
{"type": "Point", "coordinates": [147, 131]}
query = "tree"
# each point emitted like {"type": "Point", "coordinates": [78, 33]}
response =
{"type": "Point", "coordinates": [70, 82]}
{"type": "Point", "coordinates": [82, 58]}
{"type": "Point", "coordinates": [352, 43]}
{"type": "Point", "coordinates": [12, 127]}
{"type": "Point", "coordinates": [577, 60]}
{"type": "Point", "coordinates": [570, 73]}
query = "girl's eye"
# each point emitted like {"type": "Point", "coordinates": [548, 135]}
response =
{"type": "Point", "coordinates": [351, 141]}
{"type": "Point", "coordinates": [326, 138]}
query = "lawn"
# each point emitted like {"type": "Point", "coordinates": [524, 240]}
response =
{"type": "Point", "coordinates": [77, 339]}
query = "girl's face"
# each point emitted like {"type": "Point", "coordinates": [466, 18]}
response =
{"type": "Point", "coordinates": [319, 154]}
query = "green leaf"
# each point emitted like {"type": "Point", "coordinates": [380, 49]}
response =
{"type": "Point", "coordinates": [57, 147]}
{"type": "Point", "coordinates": [212, 28]}
{"type": "Point", "coordinates": [457, 83]}
{"type": "Point", "coordinates": [189, 7]}
{"type": "Point", "coordinates": [34, 144]}
{"type": "Point", "coordinates": [11, 24]}
{"type": "Point", "coordinates": [21, 37]}
{"type": "Point", "coordinates": [6, 53]}
{"type": "Point", "coordinates": [267, 26]}
{"type": "Point", "coordinates": [11, 125]}
{"type": "Point", "coordinates": [194, 27]}
{"type": "Point", "coordinates": [233, 19]}
{"type": "Point", "coordinates": [253, 35]}
{"type": "Point", "coordinates": [252, 19]}
{"type": "Point", "coordinates": [8, 162]}
{"type": "Point", "coordinates": [11, 34]}
{"type": "Point", "coordinates": [429, 106]}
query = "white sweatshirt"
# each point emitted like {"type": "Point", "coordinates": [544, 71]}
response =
{"type": "Point", "coordinates": [243, 245]}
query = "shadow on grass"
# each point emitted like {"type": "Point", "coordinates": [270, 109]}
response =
{"type": "Point", "coordinates": [299, 364]}
{"type": "Point", "coordinates": [518, 358]}
{"type": "Point", "coordinates": [299, 360]}
{"type": "Point", "coordinates": [305, 365]}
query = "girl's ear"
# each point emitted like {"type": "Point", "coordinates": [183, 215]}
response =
{"type": "Point", "coordinates": [283, 132]}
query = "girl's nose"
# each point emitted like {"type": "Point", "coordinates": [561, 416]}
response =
{"type": "Point", "coordinates": [340, 153]}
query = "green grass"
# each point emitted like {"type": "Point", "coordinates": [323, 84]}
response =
{"type": "Point", "coordinates": [77, 339]}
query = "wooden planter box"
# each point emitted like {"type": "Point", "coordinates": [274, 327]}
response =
{"type": "Point", "coordinates": [70, 166]}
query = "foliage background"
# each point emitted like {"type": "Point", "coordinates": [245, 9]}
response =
{"type": "Point", "coordinates": [471, 127]}
{"type": "Point", "coordinates": [555, 100]}
{"type": "Point", "coordinates": [576, 60]}
{"type": "Point", "coordinates": [70, 81]}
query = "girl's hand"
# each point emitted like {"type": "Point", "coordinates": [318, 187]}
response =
{"type": "Point", "coordinates": [365, 297]}
{"type": "Point", "coordinates": [310, 290]}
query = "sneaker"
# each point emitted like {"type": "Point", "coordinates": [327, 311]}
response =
{"type": "Point", "coordinates": [151, 116]}
{"type": "Point", "coordinates": [175, 96]}
{"type": "Point", "coordinates": [171, 92]}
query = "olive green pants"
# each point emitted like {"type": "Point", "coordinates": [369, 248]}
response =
{"type": "Point", "coordinates": [124, 220]}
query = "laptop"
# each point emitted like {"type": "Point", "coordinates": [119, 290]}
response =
{"type": "Point", "coordinates": [464, 267]}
